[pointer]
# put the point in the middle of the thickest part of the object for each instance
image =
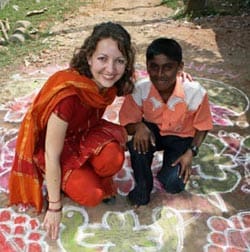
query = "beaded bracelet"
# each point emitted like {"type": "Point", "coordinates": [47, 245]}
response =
{"type": "Point", "coordinates": [54, 201]}
{"type": "Point", "coordinates": [55, 210]}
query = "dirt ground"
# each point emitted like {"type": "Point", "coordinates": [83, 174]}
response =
{"type": "Point", "coordinates": [215, 48]}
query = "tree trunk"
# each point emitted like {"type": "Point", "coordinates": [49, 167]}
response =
{"type": "Point", "coordinates": [195, 7]}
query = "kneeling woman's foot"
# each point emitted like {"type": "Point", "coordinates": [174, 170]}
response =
{"type": "Point", "coordinates": [109, 201]}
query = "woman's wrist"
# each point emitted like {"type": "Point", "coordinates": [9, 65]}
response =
{"type": "Point", "coordinates": [55, 210]}
{"type": "Point", "coordinates": [54, 205]}
{"type": "Point", "coordinates": [54, 201]}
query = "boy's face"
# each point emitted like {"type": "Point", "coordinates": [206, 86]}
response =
{"type": "Point", "coordinates": [163, 71]}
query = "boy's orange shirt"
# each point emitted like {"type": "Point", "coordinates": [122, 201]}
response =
{"type": "Point", "coordinates": [186, 110]}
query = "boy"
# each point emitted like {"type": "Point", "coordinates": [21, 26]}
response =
{"type": "Point", "coordinates": [163, 113]}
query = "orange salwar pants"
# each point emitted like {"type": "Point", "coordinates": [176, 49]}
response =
{"type": "Point", "coordinates": [93, 182]}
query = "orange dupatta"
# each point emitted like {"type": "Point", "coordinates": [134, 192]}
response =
{"type": "Point", "coordinates": [25, 180]}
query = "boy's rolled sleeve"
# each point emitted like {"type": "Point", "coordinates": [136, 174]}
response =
{"type": "Point", "coordinates": [130, 112]}
{"type": "Point", "coordinates": [203, 118]}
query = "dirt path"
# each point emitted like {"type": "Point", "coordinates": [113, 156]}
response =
{"type": "Point", "coordinates": [216, 50]}
{"type": "Point", "coordinates": [214, 47]}
{"type": "Point", "coordinates": [218, 42]}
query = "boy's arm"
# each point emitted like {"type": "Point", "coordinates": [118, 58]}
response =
{"type": "Point", "coordinates": [131, 128]}
{"type": "Point", "coordinates": [197, 141]}
{"type": "Point", "coordinates": [185, 160]}
{"type": "Point", "coordinates": [142, 135]}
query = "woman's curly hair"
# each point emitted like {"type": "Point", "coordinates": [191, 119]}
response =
{"type": "Point", "coordinates": [101, 31]}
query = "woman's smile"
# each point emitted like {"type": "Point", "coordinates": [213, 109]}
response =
{"type": "Point", "coordinates": [107, 64]}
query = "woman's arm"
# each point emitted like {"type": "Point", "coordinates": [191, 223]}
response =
{"type": "Point", "coordinates": [55, 135]}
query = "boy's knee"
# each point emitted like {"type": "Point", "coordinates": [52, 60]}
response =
{"type": "Point", "coordinates": [175, 187]}
{"type": "Point", "coordinates": [170, 180]}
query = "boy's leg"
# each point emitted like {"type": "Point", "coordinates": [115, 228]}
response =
{"type": "Point", "coordinates": [141, 165]}
{"type": "Point", "coordinates": [169, 175]}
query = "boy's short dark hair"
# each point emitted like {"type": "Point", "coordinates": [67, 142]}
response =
{"type": "Point", "coordinates": [166, 46]}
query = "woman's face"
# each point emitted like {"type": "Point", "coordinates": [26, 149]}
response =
{"type": "Point", "coordinates": [107, 64]}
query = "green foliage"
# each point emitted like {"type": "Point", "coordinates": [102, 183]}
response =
{"type": "Point", "coordinates": [55, 10]}
{"type": "Point", "coordinates": [15, 52]}
{"type": "Point", "coordinates": [174, 4]}
{"type": "Point", "coordinates": [17, 10]}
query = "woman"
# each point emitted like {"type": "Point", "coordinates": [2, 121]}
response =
{"type": "Point", "coordinates": [63, 138]}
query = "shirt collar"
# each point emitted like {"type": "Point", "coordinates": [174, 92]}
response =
{"type": "Point", "coordinates": [178, 90]}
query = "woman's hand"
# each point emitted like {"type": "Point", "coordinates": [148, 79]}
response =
{"type": "Point", "coordinates": [186, 76]}
{"type": "Point", "coordinates": [52, 222]}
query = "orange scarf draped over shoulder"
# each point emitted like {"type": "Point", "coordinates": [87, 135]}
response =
{"type": "Point", "coordinates": [25, 182]}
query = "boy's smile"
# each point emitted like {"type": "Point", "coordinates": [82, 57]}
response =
{"type": "Point", "coordinates": [162, 72]}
